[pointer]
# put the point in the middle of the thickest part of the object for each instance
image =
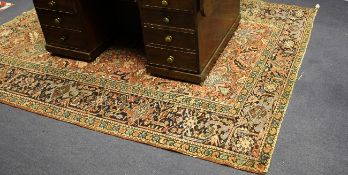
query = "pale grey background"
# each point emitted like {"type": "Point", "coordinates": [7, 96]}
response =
{"type": "Point", "coordinates": [313, 138]}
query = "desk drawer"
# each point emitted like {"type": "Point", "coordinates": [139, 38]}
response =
{"type": "Point", "coordinates": [57, 5]}
{"type": "Point", "coordinates": [64, 38]}
{"type": "Point", "coordinates": [171, 19]}
{"type": "Point", "coordinates": [169, 38]}
{"type": "Point", "coordinates": [61, 20]}
{"type": "Point", "coordinates": [173, 59]}
{"type": "Point", "coordinates": [183, 5]}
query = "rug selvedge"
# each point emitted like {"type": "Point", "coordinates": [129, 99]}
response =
{"type": "Point", "coordinates": [242, 159]}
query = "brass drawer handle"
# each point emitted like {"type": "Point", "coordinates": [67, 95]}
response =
{"type": "Point", "coordinates": [63, 38]}
{"type": "Point", "coordinates": [52, 3]}
{"type": "Point", "coordinates": [57, 21]}
{"type": "Point", "coordinates": [166, 20]}
{"type": "Point", "coordinates": [170, 59]}
{"type": "Point", "coordinates": [168, 39]}
{"type": "Point", "coordinates": [164, 3]}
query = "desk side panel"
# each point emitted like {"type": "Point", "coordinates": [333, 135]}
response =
{"type": "Point", "coordinates": [214, 27]}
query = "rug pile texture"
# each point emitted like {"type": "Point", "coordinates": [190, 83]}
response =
{"type": "Point", "coordinates": [232, 119]}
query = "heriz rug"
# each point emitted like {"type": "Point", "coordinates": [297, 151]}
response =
{"type": "Point", "coordinates": [5, 5]}
{"type": "Point", "coordinates": [232, 119]}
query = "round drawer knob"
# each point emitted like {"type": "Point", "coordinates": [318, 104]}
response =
{"type": "Point", "coordinates": [166, 20]}
{"type": "Point", "coordinates": [170, 59]}
{"type": "Point", "coordinates": [52, 3]}
{"type": "Point", "coordinates": [168, 39]}
{"type": "Point", "coordinates": [164, 3]}
{"type": "Point", "coordinates": [57, 21]}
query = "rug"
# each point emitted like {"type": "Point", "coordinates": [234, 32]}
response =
{"type": "Point", "coordinates": [232, 119]}
{"type": "Point", "coordinates": [5, 5]}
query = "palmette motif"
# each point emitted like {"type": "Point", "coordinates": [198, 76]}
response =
{"type": "Point", "coordinates": [232, 119]}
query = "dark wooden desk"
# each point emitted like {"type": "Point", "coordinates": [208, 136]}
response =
{"type": "Point", "coordinates": [82, 29]}
{"type": "Point", "coordinates": [182, 38]}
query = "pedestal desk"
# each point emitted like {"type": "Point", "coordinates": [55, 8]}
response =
{"type": "Point", "coordinates": [182, 38]}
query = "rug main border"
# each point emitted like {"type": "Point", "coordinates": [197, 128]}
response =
{"type": "Point", "coordinates": [154, 139]}
{"type": "Point", "coordinates": [293, 76]}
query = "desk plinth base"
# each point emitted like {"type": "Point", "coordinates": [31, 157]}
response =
{"type": "Point", "coordinates": [77, 54]}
